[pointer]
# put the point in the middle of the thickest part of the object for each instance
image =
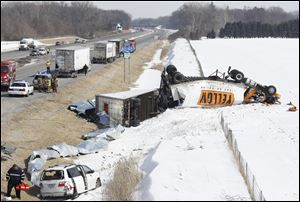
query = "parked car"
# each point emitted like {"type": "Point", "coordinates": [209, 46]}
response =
{"type": "Point", "coordinates": [35, 52]}
{"type": "Point", "coordinates": [59, 43]}
{"type": "Point", "coordinates": [20, 87]}
{"type": "Point", "coordinates": [43, 51]}
{"type": "Point", "coordinates": [77, 40]}
{"type": "Point", "coordinates": [68, 181]}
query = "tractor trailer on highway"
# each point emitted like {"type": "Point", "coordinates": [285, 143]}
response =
{"type": "Point", "coordinates": [71, 60]}
{"type": "Point", "coordinates": [104, 52]}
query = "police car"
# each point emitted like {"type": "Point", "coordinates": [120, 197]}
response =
{"type": "Point", "coordinates": [20, 87]}
{"type": "Point", "coordinates": [68, 181]}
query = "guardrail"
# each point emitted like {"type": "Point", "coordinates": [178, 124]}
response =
{"type": "Point", "coordinates": [249, 178]}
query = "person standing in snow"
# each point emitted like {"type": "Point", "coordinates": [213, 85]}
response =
{"type": "Point", "coordinates": [15, 175]}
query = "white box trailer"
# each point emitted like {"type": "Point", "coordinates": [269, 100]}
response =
{"type": "Point", "coordinates": [104, 52]}
{"type": "Point", "coordinates": [119, 45]}
{"type": "Point", "coordinates": [128, 108]}
{"type": "Point", "coordinates": [71, 60]}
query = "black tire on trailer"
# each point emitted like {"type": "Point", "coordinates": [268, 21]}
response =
{"type": "Point", "coordinates": [171, 69]}
{"type": "Point", "coordinates": [236, 75]}
{"type": "Point", "coordinates": [271, 90]}
{"type": "Point", "coordinates": [177, 78]}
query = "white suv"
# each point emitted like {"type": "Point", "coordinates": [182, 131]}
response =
{"type": "Point", "coordinates": [68, 181]}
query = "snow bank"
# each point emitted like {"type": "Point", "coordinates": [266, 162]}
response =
{"type": "Point", "coordinates": [150, 74]}
{"type": "Point", "coordinates": [268, 138]}
{"type": "Point", "coordinates": [9, 46]}
{"type": "Point", "coordinates": [183, 58]}
{"type": "Point", "coordinates": [192, 161]}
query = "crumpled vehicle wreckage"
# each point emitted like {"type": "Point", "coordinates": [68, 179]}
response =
{"type": "Point", "coordinates": [176, 90]}
{"type": "Point", "coordinates": [215, 90]}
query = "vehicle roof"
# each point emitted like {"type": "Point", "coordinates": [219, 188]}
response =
{"type": "Point", "coordinates": [7, 62]}
{"type": "Point", "coordinates": [115, 40]}
{"type": "Point", "coordinates": [61, 167]}
{"type": "Point", "coordinates": [125, 94]}
{"type": "Point", "coordinates": [72, 48]}
{"type": "Point", "coordinates": [43, 73]}
{"type": "Point", "coordinates": [102, 42]}
{"type": "Point", "coordinates": [20, 81]}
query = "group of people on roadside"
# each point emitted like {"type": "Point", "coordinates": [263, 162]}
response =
{"type": "Point", "coordinates": [48, 83]}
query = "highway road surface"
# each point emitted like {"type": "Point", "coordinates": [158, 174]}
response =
{"type": "Point", "coordinates": [13, 105]}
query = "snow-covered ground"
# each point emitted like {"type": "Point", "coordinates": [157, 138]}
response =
{"type": "Point", "coordinates": [267, 136]}
{"type": "Point", "coordinates": [183, 153]}
{"type": "Point", "coordinates": [9, 46]}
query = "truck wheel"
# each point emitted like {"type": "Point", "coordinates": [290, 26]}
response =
{"type": "Point", "coordinates": [236, 75]}
{"type": "Point", "coordinates": [98, 183]}
{"type": "Point", "coordinates": [171, 69]}
{"type": "Point", "coordinates": [271, 90]}
{"type": "Point", "coordinates": [121, 54]}
{"type": "Point", "coordinates": [178, 77]}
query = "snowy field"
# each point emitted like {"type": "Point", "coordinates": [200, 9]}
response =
{"type": "Point", "coordinates": [183, 153]}
{"type": "Point", "coordinates": [268, 136]}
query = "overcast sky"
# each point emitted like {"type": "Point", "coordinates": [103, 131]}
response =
{"type": "Point", "coordinates": [154, 9]}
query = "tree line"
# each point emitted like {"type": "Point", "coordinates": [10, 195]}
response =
{"type": "Point", "coordinates": [289, 29]}
{"type": "Point", "coordinates": [196, 19]}
{"type": "Point", "coordinates": [47, 19]}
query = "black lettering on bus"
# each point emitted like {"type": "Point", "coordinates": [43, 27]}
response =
{"type": "Point", "coordinates": [203, 98]}
{"type": "Point", "coordinates": [209, 98]}
{"type": "Point", "coordinates": [224, 98]}
{"type": "Point", "coordinates": [229, 101]}
{"type": "Point", "coordinates": [220, 98]}
{"type": "Point", "coordinates": [216, 97]}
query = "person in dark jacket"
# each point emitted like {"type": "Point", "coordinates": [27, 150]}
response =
{"type": "Point", "coordinates": [85, 69]}
{"type": "Point", "coordinates": [15, 175]}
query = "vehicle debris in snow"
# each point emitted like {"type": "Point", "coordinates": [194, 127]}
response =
{"type": "Point", "coordinates": [6, 151]}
